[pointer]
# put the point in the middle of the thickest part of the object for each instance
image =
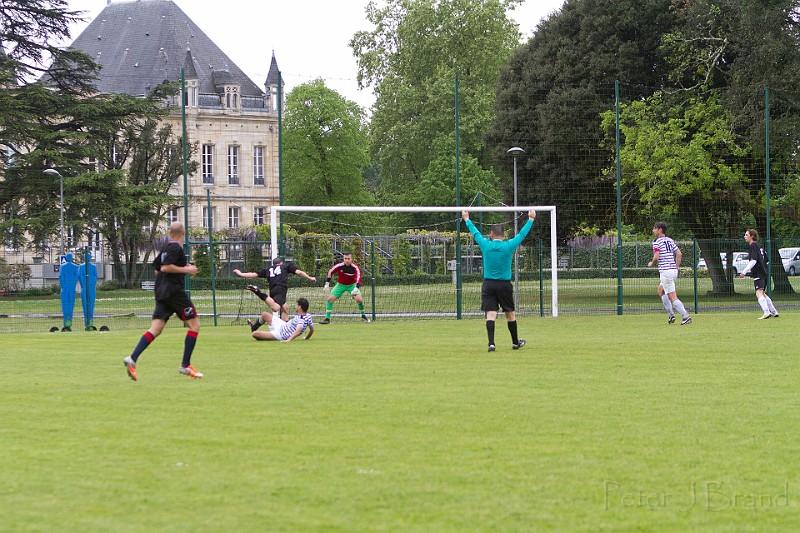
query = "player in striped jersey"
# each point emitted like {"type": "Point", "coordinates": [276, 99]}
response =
{"type": "Point", "coordinates": [280, 330]}
{"type": "Point", "coordinates": [668, 257]}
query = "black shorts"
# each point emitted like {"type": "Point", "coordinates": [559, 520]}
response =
{"type": "Point", "coordinates": [760, 284]}
{"type": "Point", "coordinates": [496, 292]}
{"type": "Point", "coordinates": [178, 304]}
{"type": "Point", "coordinates": [279, 295]}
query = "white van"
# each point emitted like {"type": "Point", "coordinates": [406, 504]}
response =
{"type": "Point", "coordinates": [791, 260]}
{"type": "Point", "coordinates": [740, 261]}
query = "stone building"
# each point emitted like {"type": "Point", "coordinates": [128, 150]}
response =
{"type": "Point", "coordinates": [234, 122]}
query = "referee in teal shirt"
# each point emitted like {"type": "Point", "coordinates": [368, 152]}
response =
{"type": "Point", "coordinates": [497, 291]}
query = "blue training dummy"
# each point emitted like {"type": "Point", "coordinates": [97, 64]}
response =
{"type": "Point", "coordinates": [87, 277]}
{"type": "Point", "coordinates": [67, 277]}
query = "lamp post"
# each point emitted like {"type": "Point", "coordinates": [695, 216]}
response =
{"type": "Point", "coordinates": [54, 172]}
{"type": "Point", "coordinates": [514, 152]}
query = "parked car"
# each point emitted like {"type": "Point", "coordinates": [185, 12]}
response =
{"type": "Point", "coordinates": [740, 261]}
{"type": "Point", "coordinates": [791, 260]}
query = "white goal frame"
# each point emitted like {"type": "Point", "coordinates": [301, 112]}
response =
{"type": "Point", "coordinates": [429, 209]}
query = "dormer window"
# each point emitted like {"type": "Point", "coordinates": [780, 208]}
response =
{"type": "Point", "coordinates": [232, 100]}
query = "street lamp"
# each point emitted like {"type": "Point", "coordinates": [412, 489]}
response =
{"type": "Point", "coordinates": [514, 152]}
{"type": "Point", "coordinates": [54, 172]}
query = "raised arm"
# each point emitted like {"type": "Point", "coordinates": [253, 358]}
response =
{"type": "Point", "coordinates": [244, 274]}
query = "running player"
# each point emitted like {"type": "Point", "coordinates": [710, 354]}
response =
{"type": "Point", "coordinates": [171, 298]}
{"type": "Point", "coordinates": [668, 257]}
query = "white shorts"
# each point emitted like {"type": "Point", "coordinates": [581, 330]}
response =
{"type": "Point", "coordinates": [275, 327]}
{"type": "Point", "coordinates": [668, 278]}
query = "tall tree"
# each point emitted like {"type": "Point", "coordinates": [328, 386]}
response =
{"type": "Point", "coordinates": [325, 147]}
{"type": "Point", "coordinates": [40, 125]}
{"type": "Point", "coordinates": [139, 159]}
{"type": "Point", "coordinates": [412, 58]}
{"type": "Point", "coordinates": [553, 90]}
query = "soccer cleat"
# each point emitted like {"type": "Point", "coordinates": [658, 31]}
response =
{"type": "Point", "coordinates": [775, 315]}
{"type": "Point", "coordinates": [190, 371]}
{"type": "Point", "coordinates": [491, 347]}
{"type": "Point", "coordinates": [520, 344]}
{"type": "Point", "coordinates": [687, 320]}
{"type": "Point", "coordinates": [251, 288]}
{"type": "Point", "coordinates": [325, 321]}
{"type": "Point", "coordinates": [365, 319]}
{"type": "Point", "coordinates": [253, 325]}
{"type": "Point", "coordinates": [671, 319]}
{"type": "Point", "coordinates": [766, 316]}
{"type": "Point", "coordinates": [66, 328]}
{"type": "Point", "coordinates": [130, 366]}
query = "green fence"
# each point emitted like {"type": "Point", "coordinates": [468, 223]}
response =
{"type": "Point", "coordinates": [412, 277]}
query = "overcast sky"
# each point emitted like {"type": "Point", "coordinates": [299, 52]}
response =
{"type": "Point", "coordinates": [309, 37]}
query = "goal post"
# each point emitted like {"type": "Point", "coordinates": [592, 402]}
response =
{"type": "Point", "coordinates": [429, 209]}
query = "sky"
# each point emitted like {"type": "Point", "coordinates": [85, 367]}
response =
{"type": "Point", "coordinates": [310, 38]}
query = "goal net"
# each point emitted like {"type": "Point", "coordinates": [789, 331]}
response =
{"type": "Point", "coordinates": [415, 262]}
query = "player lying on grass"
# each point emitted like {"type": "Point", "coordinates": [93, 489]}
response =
{"type": "Point", "coordinates": [281, 330]}
{"type": "Point", "coordinates": [278, 278]}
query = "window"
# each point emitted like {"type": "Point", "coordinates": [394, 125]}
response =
{"type": "Point", "coordinates": [258, 165]}
{"type": "Point", "coordinates": [233, 217]}
{"type": "Point", "coordinates": [172, 215]}
{"type": "Point", "coordinates": [148, 226]}
{"type": "Point", "coordinates": [69, 238]}
{"type": "Point", "coordinates": [233, 165]}
{"type": "Point", "coordinates": [260, 216]}
{"type": "Point", "coordinates": [207, 164]}
{"type": "Point", "coordinates": [94, 243]}
{"type": "Point", "coordinates": [208, 217]}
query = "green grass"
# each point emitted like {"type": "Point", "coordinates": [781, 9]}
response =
{"type": "Point", "coordinates": [599, 424]}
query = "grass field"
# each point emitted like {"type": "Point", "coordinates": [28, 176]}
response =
{"type": "Point", "coordinates": [600, 423]}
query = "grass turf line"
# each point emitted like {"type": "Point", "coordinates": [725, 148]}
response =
{"type": "Point", "coordinates": [599, 423]}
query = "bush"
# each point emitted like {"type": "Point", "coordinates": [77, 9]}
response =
{"type": "Point", "coordinates": [110, 285]}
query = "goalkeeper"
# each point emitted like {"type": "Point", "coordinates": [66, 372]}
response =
{"type": "Point", "coordinates": [348, 280]}
{"type": "Point", "coordinates": [496, 290]}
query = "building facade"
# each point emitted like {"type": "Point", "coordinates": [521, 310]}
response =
{"type": "Point", "coordinates": [232, 121]}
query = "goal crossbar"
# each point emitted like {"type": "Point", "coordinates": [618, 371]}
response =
{"type": "Point", "coordinates": [428, 209]}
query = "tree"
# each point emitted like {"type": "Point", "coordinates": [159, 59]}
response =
{"type": "Point", "coordinates": [682, 160]}
{"type": "Point", "coordinates": [128, 201]}
{"type": "Point", "coordinates": [554, 88]}
{"type": "Point", "coordinates": [40, 124]}
{"type": "Point", "coordinates": [437, 184]}
{"type": "Point", "coordinates": [325, 147]}
{"type": "Point", "coordinates": [412, 58]}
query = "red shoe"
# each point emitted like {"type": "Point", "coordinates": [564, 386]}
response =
{"type": "Point", "coordinates": [190, 371]}
{"type": "Point", "coordinates": [130, 366]}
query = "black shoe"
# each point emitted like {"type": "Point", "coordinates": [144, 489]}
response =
{"type": "Point", "coordinates": [687, 320]}
{"type": "Point", "coordinates": [253, 325]}
{"type": "Point", "coordinates": [66, 328]}
{"type": "Point", "coordinates": [520, 344]}
{"type": "Point", "coordinates": [325, 321]}
{"type": "Point", "coordinates": [365, 319]}
{"type": "Point", "coordinates": [251, 288]}
{"type": "Point", "coordinates": [491, 347]}
{"type": "Point", "coordinates": [775, 315]}
{"type": "Point", "coordinates": [671, 319]}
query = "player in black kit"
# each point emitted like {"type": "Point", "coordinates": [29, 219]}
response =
{"type": "Point", "coordinates": [171, 298]}
{"type": "Point", "coordinates": [278, 278]}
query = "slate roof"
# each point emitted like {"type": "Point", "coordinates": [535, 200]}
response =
{"type": "Point", "coordinates": [141, 43]}
{"type": "Point", "coordinates": [272, 75]}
